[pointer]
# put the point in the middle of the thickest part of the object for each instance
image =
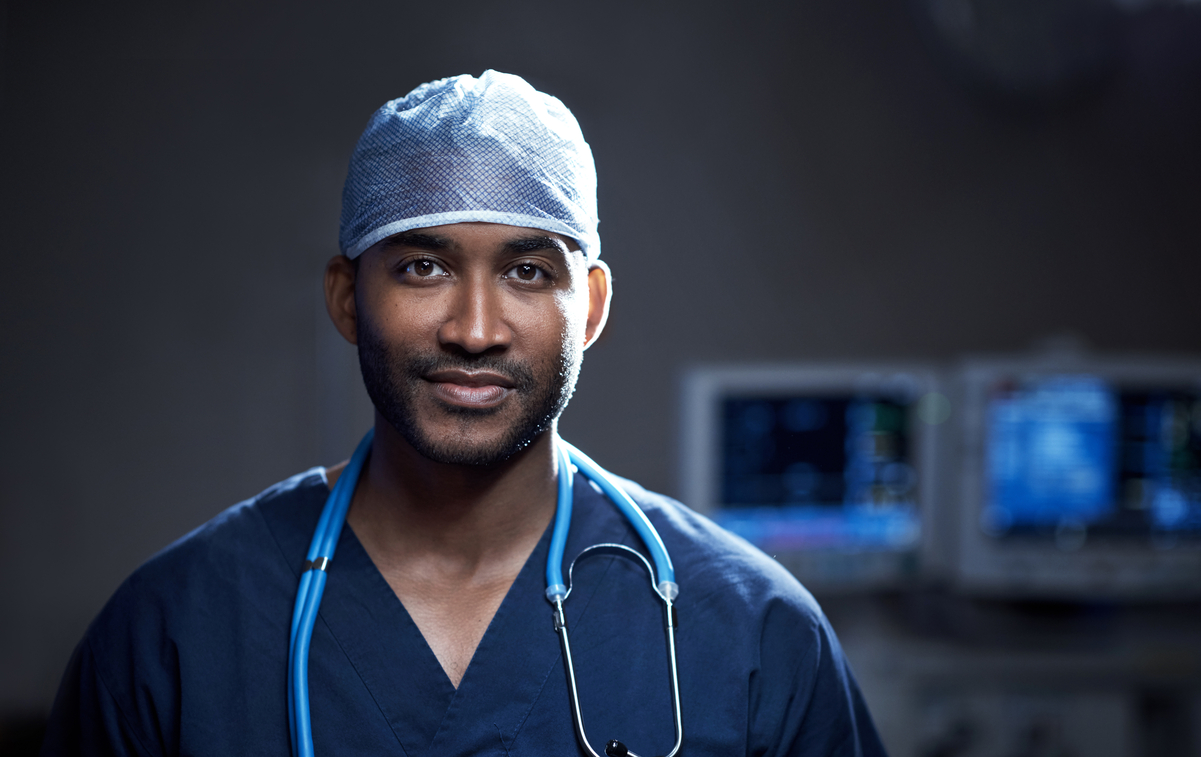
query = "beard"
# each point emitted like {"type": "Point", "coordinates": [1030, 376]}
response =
{"type": "Point", "coordinates": [395, 381]}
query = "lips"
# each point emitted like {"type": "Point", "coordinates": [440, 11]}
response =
{"type": "Point", "coordinates": [482, 389]}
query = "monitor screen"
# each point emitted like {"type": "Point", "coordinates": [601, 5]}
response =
{"type": "Point", "coordinates": [1081, 477]}
{"type": "Point", "coordinates": [823, 467]}
{"type": "Point", "coordinates": [1074, 455]}
{"type": "Point", "coordinates": [805, 472]}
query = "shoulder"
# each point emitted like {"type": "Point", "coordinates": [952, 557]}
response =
{"type": "Point", "coordinates": [760, 625]}
{"type": "Point", "coordinates": [202, 579]}
{"type": "Point", "coordinates": [238, 541]}
{"type": "Point", "coordinates": [713, 564]}
{"type": "Point", "coordinates": [168, 630]}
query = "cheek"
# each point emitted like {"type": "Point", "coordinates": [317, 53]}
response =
{"type": "Point", "coordinates": [548, 330]}
{"type": "Point", "coordinates": [544, 329]}
{"type": "Point", "coordinates": [404, 318]}
{"type": "Point", "coordinates": [408, 318]}
{"type": "Point", "coordinates": [572, 312]}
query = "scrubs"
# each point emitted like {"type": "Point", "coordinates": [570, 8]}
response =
{"type": "Point", "coordinates": [189, 656]}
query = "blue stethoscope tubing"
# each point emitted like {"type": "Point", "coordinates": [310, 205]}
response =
{"type": "Point", "coordinates": [329, 529]}
{"type": "Point", "coordinates": [308, 597]}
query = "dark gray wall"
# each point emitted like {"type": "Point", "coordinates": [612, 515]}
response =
{"type": "Point", "coordinates": [777, 181]}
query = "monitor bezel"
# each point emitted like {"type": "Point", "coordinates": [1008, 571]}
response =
{"type": "Point", "coordinates": [1103, 568]}
{"type": "Point", "coordinates": [703, 388]}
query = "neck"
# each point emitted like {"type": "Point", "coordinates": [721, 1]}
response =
{"type": "Point", "coordinates": [407, 507]}
{"type": "Point", "coordinates": [451, 539]}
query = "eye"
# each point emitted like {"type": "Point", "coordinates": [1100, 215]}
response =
{"type": "Point", "coordinates": [526, 272]}
{"type": "Point", "coordinates": [422, 268]}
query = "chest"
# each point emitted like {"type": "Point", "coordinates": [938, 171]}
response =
{"type": "Point", "coordinates": [451, 610]}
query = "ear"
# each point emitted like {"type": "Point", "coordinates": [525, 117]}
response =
{"type": "Point", "coordinates": [339, 296]}
{"type": "Point", "coordinates": [600, 291]}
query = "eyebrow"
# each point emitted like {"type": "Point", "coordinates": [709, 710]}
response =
{"type": "Point", "coordinates": [533, 244]}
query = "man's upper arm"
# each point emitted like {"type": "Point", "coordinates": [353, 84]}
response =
{"type": "Point", "coordinates": [86, 718]}
{"type": "Point", "coordinates": [805, 701]}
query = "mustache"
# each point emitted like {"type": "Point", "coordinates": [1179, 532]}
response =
{"type": "Point", "coordinates": [420, 366]}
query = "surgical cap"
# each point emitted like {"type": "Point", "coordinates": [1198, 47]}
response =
{"type": "Point", "coordinates": [465, 149]}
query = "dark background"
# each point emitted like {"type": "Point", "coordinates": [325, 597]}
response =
{"type": "Point", "coordinates": [778, 181]}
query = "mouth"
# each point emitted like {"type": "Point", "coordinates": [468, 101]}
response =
{"type": "Point", "coordinates": [472, 389]}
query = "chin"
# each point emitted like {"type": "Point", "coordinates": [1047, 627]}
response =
{"type": "Point", "coordinates": [476, 447]}
{"type": "Point", "coordinates": [455, 452]}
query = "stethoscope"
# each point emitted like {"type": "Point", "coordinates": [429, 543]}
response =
{"type": "Point", "coordinates": [329, 528]}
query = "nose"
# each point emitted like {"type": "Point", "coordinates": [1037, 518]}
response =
{"type": "Point", "coordinates": [476, 319]}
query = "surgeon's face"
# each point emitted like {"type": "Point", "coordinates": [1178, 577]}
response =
{"type": "Point", "coordinates": [471, 335]}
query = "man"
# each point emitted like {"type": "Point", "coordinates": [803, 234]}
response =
{"type": "Point", "coordinates": [471, 283]}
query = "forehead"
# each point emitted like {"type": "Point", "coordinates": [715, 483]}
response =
{"type": "Point", "coordinates": [478, 236]}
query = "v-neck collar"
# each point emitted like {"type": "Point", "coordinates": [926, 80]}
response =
{"type": "Point", "coordinates": [510, 666]}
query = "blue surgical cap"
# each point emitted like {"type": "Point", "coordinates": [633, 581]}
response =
{"type": "Point", "coordinates": [465, 149]}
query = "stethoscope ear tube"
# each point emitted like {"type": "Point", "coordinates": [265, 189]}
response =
{"type": "Point", "coordinates": [308, 597]}
{"type": "Point", "coordinates": [615, 747]}
{"type": "Point", "coordinates": [650, 537]}
{"type": "Point", "coordinates": [555, 588]}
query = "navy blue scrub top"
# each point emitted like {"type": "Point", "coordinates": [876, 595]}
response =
{"type": "Point", "coordinates": [189, 656]}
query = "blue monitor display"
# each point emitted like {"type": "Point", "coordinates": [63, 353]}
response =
{"type": "Point", "coordinates": [1051, 451]}
{"type": "Point", "coordinates": [818, 472]}
{"type": "Point", "coordinates": [1074, 455]}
